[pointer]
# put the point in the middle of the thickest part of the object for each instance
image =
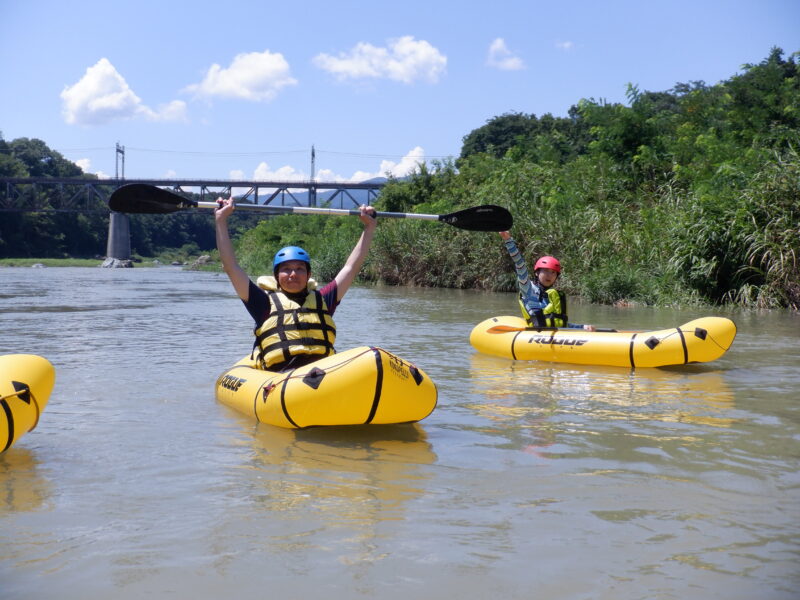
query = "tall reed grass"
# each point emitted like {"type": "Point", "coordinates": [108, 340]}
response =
{"type": "Point", "coordinates": [734, 241]}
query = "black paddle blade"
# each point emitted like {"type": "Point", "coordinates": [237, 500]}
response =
{"type": "Point", "coordinates": [141, 198]}
{"type": "Point", "coordinates": [487, 217]}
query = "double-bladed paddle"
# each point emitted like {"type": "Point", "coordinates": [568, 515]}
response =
{"type": "Point", "coordinates": [141, 198]}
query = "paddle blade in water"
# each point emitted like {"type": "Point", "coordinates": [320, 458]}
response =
{"type": "Point", "coordinates": [140, 198]}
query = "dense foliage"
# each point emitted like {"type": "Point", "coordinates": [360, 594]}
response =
{"type": "Point", "coordinates": [686, 196]}
{"type": "Point", "coordinates": [682, 196]}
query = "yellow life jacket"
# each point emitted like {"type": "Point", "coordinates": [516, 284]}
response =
{"type": "Point", "coordinates": [293, 329]}
{"type": "Point", "coordinates": [554, 314]}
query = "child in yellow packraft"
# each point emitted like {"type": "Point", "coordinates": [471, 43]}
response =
{"type": "Point", "coordinates": [542, 305]}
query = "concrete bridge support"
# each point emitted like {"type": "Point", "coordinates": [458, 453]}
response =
{"type": "Point", "coordinates": [118, 250]}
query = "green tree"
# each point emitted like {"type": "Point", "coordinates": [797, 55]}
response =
{"type": "Point", "coordinates": [41, 161]}
{"type": "Point", "coordinates": [497, 136]}
{"type": "Point", "coordinates": [545, 139]}
{"type": "Point", "coordinates": [10, 166]}
{"type": "Point", "coordinates": [764, 99]}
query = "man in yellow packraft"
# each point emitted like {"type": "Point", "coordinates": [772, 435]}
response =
{"type": "Point", "coordinates": [293, 319]}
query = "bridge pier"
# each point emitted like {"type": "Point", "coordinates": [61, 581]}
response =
{"type": "Point", "coordinates": [118, 249]}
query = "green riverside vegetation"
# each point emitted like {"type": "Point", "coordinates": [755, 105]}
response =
{"type": "Point", "coordinates": [690, 196]}
{"type": "Point", "coordinates": [681, 197]}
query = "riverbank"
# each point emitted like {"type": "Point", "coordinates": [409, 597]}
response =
{"type": "Point", "coordinates": [50, 262]}
{"type": "Point", "coordinates": [97, 262]}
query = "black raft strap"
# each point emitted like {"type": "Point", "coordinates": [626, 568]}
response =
{"type": "Point", "coordinates": [23, 392]}
{"type": "Point", "coordinates": [378, 385]}
{"type": "Point", "coordinates": [10, 418]}
{"type": "Point", "coordinates": [685, 347]}
{"type": "Point", "coordinates": [285, 409]}
{"type": "Point", "coordinates": [513, 344]}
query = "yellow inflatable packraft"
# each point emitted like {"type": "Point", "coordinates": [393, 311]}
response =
{"type": "Point", "coordinates": [26, 381]}
{"type": "Point", "coordinates": [701, 340]}
{"type": "Point", "coordinates": [361, 386]}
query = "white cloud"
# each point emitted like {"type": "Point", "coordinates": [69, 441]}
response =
{"type": "Point", "coordinates": [173, 111]}
{"type": "Point", "coordinates": [264, 172]}
{"type": "Point", "coordinates": [365, 175]}
{"type": "Point", "coordinates": [566, 46]}
{"type": "Point", "coordinates": [257, 76]}
{"type": "Point", "coordinates": [328, 175]}
{"type": "Point", "coordinates": [86, 166]}
{"type": "Point", "coordinates": [406, 166]}
{"type": "Point", "coordinates": [287, 173]}
{"type": "Point", "coordinates": [404, 59]}
{"type": "Point", "coordinates": [500, 57]}
{"type": "Point", "coordinates": [102, 95]}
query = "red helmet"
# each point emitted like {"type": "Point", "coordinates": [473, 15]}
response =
{"type": "Point", "coordinates": [548, 262]}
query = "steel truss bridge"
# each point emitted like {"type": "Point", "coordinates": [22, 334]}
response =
{"type": "Point", "coordinates": [52, 194]}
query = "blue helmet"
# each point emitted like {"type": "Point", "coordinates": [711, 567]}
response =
{"type": "Point", "coordinates": [290, 253]}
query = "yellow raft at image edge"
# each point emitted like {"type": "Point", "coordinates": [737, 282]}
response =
{"type": "Point", "coordinates": [361, 386]}
{"type": "Point", "coordinates": [26, 381]}
{"type": "Point", "coordinates": [701, 340]}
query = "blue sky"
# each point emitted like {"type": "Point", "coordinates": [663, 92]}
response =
{"type": "Point", "coordinates": [237, 89]}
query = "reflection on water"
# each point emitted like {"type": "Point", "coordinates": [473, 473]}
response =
{"type": "Point", "coordinates": [22, 486]}
{"type": "Point", "coordinates": [332, 490]}
{"type": "Point", "coordinates": [526, 396]}
{"type": "Point", "coordinates": [356, 474]}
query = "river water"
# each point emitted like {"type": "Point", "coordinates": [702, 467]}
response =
{"type": "Point", "coordinates": [529, 480]}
